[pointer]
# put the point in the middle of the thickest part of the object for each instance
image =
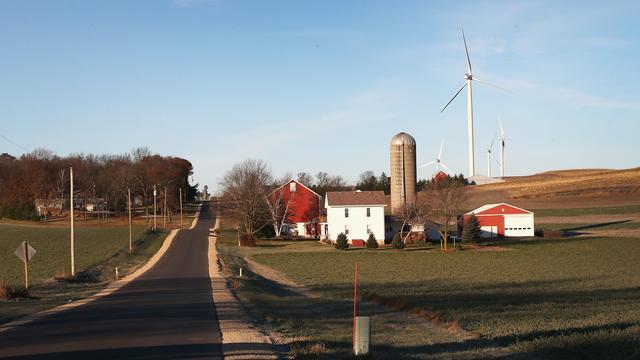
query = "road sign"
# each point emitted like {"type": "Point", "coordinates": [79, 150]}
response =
{"type": "Point", "coordinates": [20, 252]}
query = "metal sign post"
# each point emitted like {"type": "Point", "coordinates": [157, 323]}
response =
{"type": "Point", "coordinates": [25, 253]}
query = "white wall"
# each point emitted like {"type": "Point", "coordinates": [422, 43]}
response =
{"type": "Point", "coordinates": [357, 222]}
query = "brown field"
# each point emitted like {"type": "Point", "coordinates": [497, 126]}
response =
{"type": "Point", "coordinates": [564, 189]}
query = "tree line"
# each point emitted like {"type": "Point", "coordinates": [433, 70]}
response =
{"type": "Point", "coordinates": [44, 176]}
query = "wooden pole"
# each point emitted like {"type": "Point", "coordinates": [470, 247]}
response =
{"type": "Point", "coordinates": [181, 226]}
{"type": "Point", "coordinates": [130, 222]}
{"type": "Point", "coordinates": [355, 301]}
{"type": "Point", "coordinates": [73, 264]}
{"type": "Point", "coordinates": [164, 218]}
{"type": "Point", "coordinates": [26, 265]}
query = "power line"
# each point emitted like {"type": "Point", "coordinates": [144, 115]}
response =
{"type": "Point", "coordinates": [14, 143]}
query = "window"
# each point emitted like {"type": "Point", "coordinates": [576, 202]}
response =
{"type": "Point", "coordinates": [346, 212]}
{"type": "Point", "coordinates": [346, 229]}
{"type": "Point", "coordinates": [368, 229]}
{"type": "Point", "coordinates": [368, 212]}
{"type": "Point", "coordinates": [292, 187]}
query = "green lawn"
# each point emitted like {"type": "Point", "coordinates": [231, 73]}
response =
{"type": "Point", "coordinates": [564, 298]}
{"type": "Point", "coordinates": [92, 245]}
{"type": "Point", "coordinates": [608, 210]}
{"type": "Point", "coordinates": [613, 225]}
{"type": "Point", "coordinates": [98, 251]}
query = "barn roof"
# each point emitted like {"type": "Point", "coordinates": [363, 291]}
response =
{"type": "Point", "coordinates": [297, 182]}
{"type": "Point", "coordinates": [486, 209]}
{"type": "Point", "coordinates": [357, 198]}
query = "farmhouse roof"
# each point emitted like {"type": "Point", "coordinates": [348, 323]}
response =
{"type": "Point", "coordinates": [357, 198]}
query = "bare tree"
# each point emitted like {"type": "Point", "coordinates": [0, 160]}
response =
{"type": "Point", "coordinates": [244, 194]}
{"type": "Point", "coordinates": [305, 178]}
{"type": "Point", "coordinates": [279, 209]}
{"type": "Point", "coordinates": [442, 209]}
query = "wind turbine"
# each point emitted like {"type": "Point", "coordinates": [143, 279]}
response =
{"type": "Point", "coordinates": [502, 139]}
{"type": "Point", "coordinates": [489, 156]}
{"type": "Point", "coordinates": [468, 79]}
{"type": "Point", "coordinates": [438, 160]}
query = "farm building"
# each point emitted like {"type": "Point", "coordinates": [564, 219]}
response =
{"type": "Point", "coordinates": [300, 207]}
{"type": "Point", "coordinates": [356, 214]}
{"type": "Point", "coordinates": [502, 219]}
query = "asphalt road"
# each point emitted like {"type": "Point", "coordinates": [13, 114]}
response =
{"type": "Point", "coordinates": [167, 313]}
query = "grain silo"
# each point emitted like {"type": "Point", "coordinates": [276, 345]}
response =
{"type": "Point", "coordinates": [403, 171]}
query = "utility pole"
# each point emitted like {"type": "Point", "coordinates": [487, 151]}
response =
{"type": "Point", "coordinates": [73, 264]}
{"type": "Point", "coordinates": [164, 218]}
{"type": "Point", "coordinates": [155, 227]}
{"type": "Point", "coordinates": [129, 208]}
{"type": "Point", "coordinates": [181, 209]}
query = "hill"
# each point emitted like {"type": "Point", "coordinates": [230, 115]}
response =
{"type": "Point", "coordinates": [564, 189]}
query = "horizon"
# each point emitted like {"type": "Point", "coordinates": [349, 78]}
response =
{"type": "Point", "coordinates": [326, 84]}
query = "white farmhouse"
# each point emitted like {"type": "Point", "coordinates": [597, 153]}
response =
{"type": "Point", "coordinates": [356, 214]}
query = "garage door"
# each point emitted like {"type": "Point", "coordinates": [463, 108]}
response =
{"type": "Point", "coordinates": [518, 225]}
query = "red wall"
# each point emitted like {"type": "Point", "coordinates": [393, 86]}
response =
{"type": "Point", "coordinates": [492, 220]}
{"type": "Point", "coordinates": [304, 206]}
{"type": "Point", "coordinates": [502, 209]}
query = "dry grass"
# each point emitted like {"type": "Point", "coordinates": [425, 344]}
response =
{"type": "Point", "coordinates": [571, 182]}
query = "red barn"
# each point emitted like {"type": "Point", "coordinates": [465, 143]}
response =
{"type": "Point", "coordinates": [439, 176]}
{"type": "Point", "coordinates": [300, 207]}
{"type": "Point", "coordinates": [503, 220]}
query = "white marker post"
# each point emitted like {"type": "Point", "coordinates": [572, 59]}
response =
{"type": "Point", "coordinates": [155, 227]}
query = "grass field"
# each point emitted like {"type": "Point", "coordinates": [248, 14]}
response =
{"type": "Point", "coordinates": [560, 298]}
{"type": "Point", "coordinates": [608, 210]}
{"type": "Point", "coordinates": [98, 251]}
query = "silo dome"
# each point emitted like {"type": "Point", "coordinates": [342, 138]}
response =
{"type": "Point", "coordinates": [403, 138]}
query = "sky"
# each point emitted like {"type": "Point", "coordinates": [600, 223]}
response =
{"type": "Point", "coordinates": [322, 85]}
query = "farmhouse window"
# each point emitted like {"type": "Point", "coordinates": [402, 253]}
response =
{"type": "Point", "coordinates": [368, 229]}
{"type": "Point", "coordinates": [368, 212]}
{"type": "Point", "coordinates": [346, 229]}
{"type": "Point", "coordinates": [292, 187]}
{"type": "Point", "coordinates": [346, 212]}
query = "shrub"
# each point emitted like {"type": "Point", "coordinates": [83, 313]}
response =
{"type": "Point", "coordinates": [8, 292]}
{"type": "Point", "coordinates": [247, 240]}
{"type": "Point", "coordinates": [372, 243]}
{"type": "Point", "coordinates": [471, 229]}
{"type": "Point", "coordinates": [397, 242]}
{"type": "Point", "coordinates": [341, 242]}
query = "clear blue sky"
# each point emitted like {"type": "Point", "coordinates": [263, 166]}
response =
{"type": "Point", "coordinates": [321, 85]}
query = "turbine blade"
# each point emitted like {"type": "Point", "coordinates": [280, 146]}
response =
{"type": "Point", "coordinates": [454, 96]}
{"type": "Point", "coordinates": [493, 85]}
{"type": "Point", "coordinates": [427, 164]}
{"type": "Point", "coordinates": [440, 152]}
{"type": "Point", "coordinates": [445, 167]}
{"type": "Point", "coordinates": [467, 52]}
{"type": "Point", "coordinates": [501, 129]}
{"type": "Point", "coordinates": [492, 141]}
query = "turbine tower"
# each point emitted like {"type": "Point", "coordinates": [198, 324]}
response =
{"type": "Point", "coordinates": [438, 160]}
{"type": "Point", "coordinates": [502, 139]}
{"type": "Point", "coordinates": [468, 79]}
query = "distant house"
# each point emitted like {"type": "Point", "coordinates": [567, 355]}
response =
{"type": "Point", "coordinates": [356, 214]}
{"type": "Point", "coordinates": [301, 207]}
{"type": "Point", "coordinates": [439, 176]}
{"type": "Point", "coordinates": [49, 206]}
{"type": "Point", "coordinates": [502, 219]}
